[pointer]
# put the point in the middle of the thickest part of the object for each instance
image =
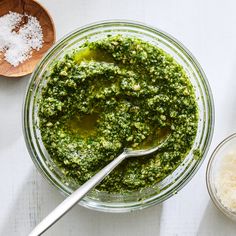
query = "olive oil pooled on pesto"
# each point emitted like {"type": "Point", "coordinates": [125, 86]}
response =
{"type": "Point", "coordinates": [114, 93]}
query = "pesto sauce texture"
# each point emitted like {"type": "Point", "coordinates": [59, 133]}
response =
{"type": "Point", "coordinates": [114, 93]}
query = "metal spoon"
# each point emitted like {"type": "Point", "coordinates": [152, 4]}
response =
{"type": "Point", "coordinates": [76, 196]}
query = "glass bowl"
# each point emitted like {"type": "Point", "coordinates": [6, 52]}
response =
{"type": "Point", "coordinates": [226, 147]}
{"type": "Point", "coordinates": [171, 184]}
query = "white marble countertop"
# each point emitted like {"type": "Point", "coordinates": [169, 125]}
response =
{"type": "Point", "coordinates": [207, 29]}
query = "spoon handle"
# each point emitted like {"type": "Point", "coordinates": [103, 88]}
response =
{"type": "Point", "coordinates": [76, 196]}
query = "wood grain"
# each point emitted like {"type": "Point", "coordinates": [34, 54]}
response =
{"type": "Point", "coordinates": [33, 8]}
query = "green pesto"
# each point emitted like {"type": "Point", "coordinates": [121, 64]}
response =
{"type": "Point", "coordinates": [114, 93]}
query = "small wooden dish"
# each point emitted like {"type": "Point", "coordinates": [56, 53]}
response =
{"type": "Point", "coordinates": [33, 8]}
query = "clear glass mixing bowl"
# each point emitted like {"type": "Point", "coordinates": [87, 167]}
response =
{"type": "Point", "coordinates": [171, 184]}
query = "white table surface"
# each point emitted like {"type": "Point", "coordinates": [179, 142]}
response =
{"type": "Point", "coordinates": [207, 28]}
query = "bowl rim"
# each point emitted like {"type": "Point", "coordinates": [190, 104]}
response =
{"type": "Point", "coordinates": [209, 101]}
{"type": "Point", "coordinates": [216, 201]}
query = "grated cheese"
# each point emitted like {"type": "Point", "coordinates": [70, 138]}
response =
{"type": "Point", "coordinates": [17, 41]}
{"type": "Point", "coordinates": [226, 181]}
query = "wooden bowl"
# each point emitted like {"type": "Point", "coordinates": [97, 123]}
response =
{"type": "Point", "coordinates": [33, 8]}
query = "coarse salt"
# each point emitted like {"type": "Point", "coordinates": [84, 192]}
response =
{"type": "Point", "coordinates": [17, 45]}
